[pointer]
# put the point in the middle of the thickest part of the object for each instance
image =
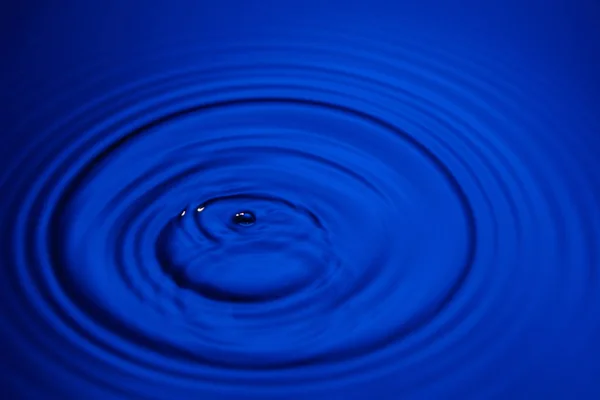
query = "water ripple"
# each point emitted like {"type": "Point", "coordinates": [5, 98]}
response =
{"type": "Point", "coordinates": [406, 220]}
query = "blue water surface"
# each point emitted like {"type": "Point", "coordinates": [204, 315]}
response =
{"type": "Point", "coordinates": [300, 200]}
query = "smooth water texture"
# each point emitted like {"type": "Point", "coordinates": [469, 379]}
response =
{"type": "Point", "coordinates": [300, 200]}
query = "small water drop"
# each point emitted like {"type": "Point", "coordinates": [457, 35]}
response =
{"type": "Point", "coordinates": [244, 218]}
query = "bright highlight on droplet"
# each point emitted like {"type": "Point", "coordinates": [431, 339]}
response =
{"type": "Point", "coordinates": [244, 218]}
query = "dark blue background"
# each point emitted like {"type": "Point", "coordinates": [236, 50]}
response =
{"type": "Point", "coordinates": [425, 177]}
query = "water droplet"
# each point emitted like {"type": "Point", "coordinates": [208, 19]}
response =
{"type": "Point", "coordinates": [244, 218]}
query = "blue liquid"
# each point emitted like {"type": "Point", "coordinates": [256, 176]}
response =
{"type": "Point", "coordinates": [225, 200]}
